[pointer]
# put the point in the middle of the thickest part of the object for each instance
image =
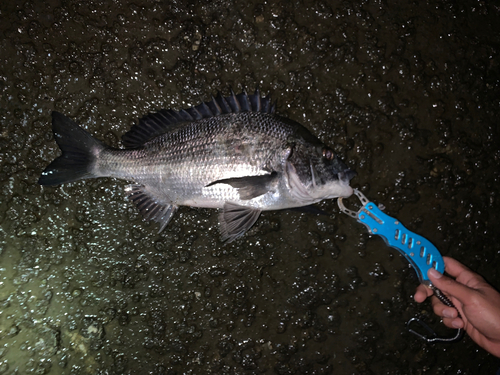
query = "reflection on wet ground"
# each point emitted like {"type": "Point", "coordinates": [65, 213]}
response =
{"type": "Point", "coordinates": [409, 93]}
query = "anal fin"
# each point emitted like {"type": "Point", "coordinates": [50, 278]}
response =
{"type": "Point", "coordinates": [235, 220]}
{"type": "Point", "coordinates": [151, 207]}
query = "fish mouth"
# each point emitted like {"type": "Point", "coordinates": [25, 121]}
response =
{"type": "Point", "coordinates": [347, 175]}
{"type": "Point", "coordinates": [335, 188]}
{"type": "Point", "coordinates": [344, 178]}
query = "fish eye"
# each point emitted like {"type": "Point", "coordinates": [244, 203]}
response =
{"type": "Point", "coordinates": [328, 154]}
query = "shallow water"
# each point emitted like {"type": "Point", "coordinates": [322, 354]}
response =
{"type": "Point", "coordinates": [409, 94]}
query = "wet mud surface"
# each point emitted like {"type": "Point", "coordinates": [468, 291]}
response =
{"type": "Point", "coordinates": [408, 94]}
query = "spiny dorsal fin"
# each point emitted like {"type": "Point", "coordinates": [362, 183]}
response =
{"type": "Point", "coordinates": [155, 124]}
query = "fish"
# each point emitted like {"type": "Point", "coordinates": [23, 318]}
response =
{"type": "Point", "coordinates": [230, 153]}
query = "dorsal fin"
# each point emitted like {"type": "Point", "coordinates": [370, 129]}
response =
{"type": "Point", "coordinates": [155, 124]}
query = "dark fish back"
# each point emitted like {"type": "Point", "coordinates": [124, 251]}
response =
{"type": "Point", "coordinates": [221, 142]}
{"type": "Point", "coordinates": [161, 122]}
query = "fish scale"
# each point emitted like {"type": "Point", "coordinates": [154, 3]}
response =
{"type": "Point", "coordinates": [232, 153]}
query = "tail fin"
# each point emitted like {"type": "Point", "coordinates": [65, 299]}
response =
{"type": "Point", "coordinates": [79, 150]}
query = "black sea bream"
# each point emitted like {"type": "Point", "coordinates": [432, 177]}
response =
{"type": "Point", "coordinates": [232, 153]}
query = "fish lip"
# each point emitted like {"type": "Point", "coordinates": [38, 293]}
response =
{"type": "Point", "coordinates": [347, 175]}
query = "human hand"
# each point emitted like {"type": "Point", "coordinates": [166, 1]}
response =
{"type": "Point", "coordinates": [477, 301]}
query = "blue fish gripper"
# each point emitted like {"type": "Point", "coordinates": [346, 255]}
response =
{"type": "Point", "coordinates": [419, 251]}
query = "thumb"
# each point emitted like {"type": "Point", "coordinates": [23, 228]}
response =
{"type": "Point", "coordinates": [449, 286]}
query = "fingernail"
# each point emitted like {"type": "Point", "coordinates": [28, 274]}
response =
{"type": "Point", "coordinates": [432, 272]}
{"type": "Point", "coordinates": [447, 313]}
{"type": "Point", "coordinates": [456, 324]}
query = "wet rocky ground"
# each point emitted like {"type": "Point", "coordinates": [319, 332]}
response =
{"type": "Point", "coordinates": [408, 93]}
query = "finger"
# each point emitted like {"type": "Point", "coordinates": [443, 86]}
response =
{"type": "Point", "coordinates": [450, 286]}
{"type": "Point", "coordinates": [421, 293]}
{"type": "Point", "coordinates": [442, 310]}
{"type": "Point", "coordinates": [456, 269]}
{"type": "Point", "coordinates": [453, 323]}
{"type": "Point", "coordinates": [462, 274]}
{"type": "Point", "coordinates": [449, 315]}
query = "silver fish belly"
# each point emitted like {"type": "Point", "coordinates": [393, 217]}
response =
{"type": "Point", "coordinates": [232, 153]}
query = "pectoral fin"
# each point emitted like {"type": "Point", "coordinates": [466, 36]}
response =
{"type": "Point", "coordinates": [252, 186]}
{"type": "Point", "coordinates": [235, 220]}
